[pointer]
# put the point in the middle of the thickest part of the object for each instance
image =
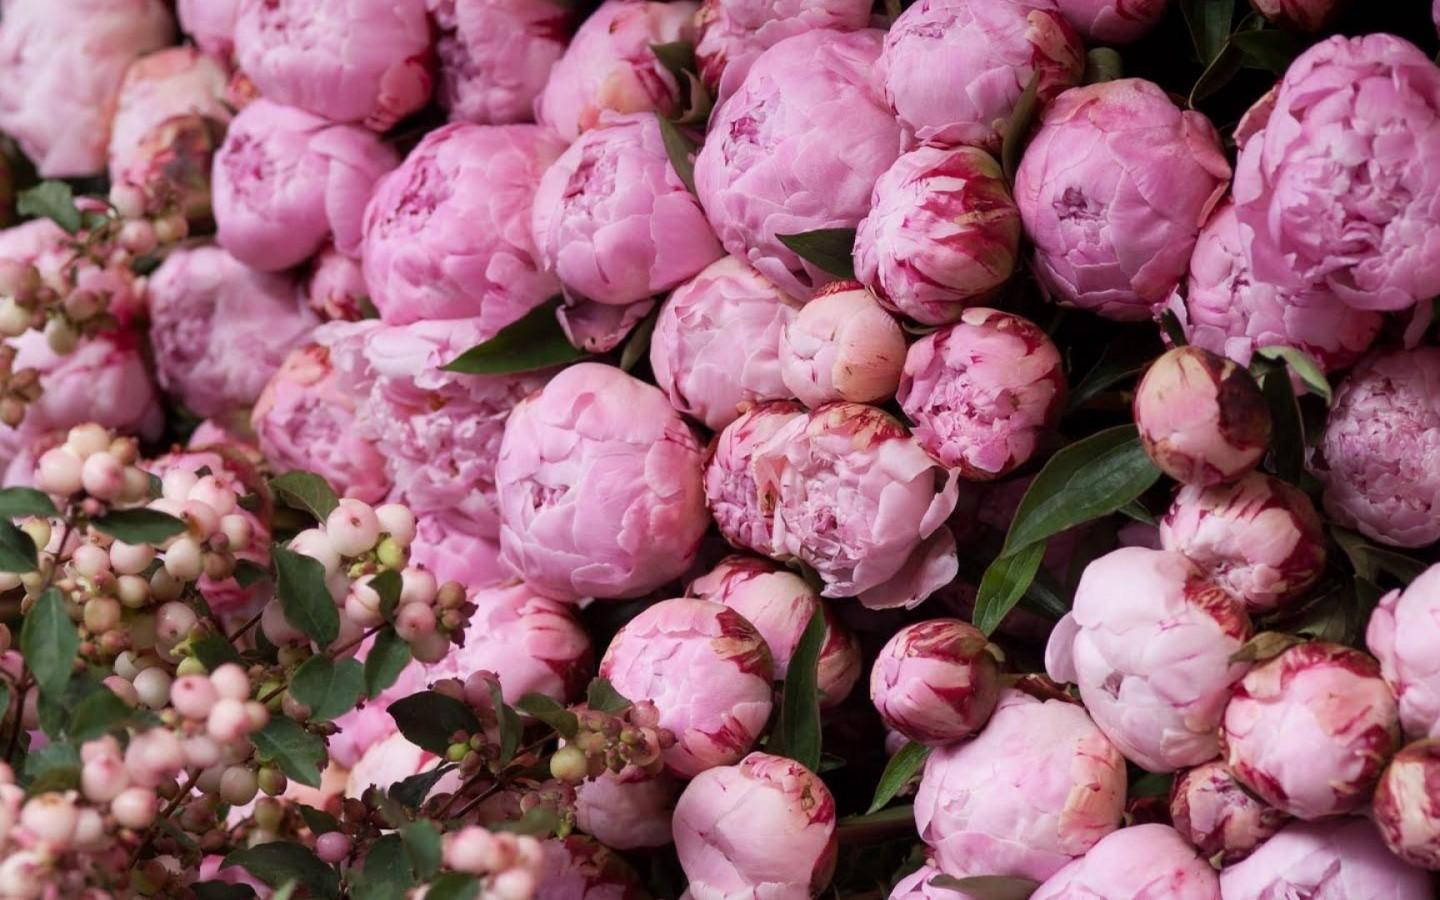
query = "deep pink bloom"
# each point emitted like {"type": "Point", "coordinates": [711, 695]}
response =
{"type": "Point", "coordinates": [447, 235]}
{"type": "Point", "coordinates": [1337, 859]}
{"type": "Point", "coordinates": [1139, 862]}
{"type": "Point", "coordinates": [773, 165]}
{"type": "Point", "coordinates": [495, 56]}
{"type": "Point", "coordinates": [1113, 190]}
{"type": "Point", "coordinates": [983, 392]}
{"type": "Point", "coordinates": [1310, 730]}
{"type": "Point", "coordinates": [286, 181]}
{"type": "Point", "coordinates": [731, 490]}
{"type": "Point", "coordinates": [627, 813]}
{"type": "Point", "coordinates": [350, 61]}
{"type": "Point", "coordinates": [1218, 816]}
{"type": "Point", "coordinates": [599, 485]}
{"type": "Point", "coordinates": [612, 219]}
{"type": "Point", "coordinates": [954, 69]}
{"type": "Point", "coordinates": [733, 33]}
{"type": "Point", "coordinates": [1112, 21]}
{"type": "Point", "coordinates": [936, 681]}
{"type": "Point", "coordinates": [707, 671]}
{"type": "Point", "coordinates": [609, 65]}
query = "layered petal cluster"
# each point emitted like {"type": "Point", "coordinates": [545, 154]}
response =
{"type": "Point", "coordinates": [842, 346]}
{"type": "Point", "coordinates": [731, 490]}
{"type": "Point", "coordinates": [495, 56]}
{"type": "Point", "coordinates": [733, 33]}
{"type": "Point", "coordinates": [627, 813]}
{"type": "Point", "coordinates": [935, 681]}
{"type": "Point", "coordinates": [1402, 634]}
{"type": "Point", "coordinates": [210, 24]}
{"type": "Point", "coordinates": [1335, 859]}
{"type": "Point", "coordinates": [1144, 862]}
{"type": "Point", "coordinates": [1112, 21]}
{"type": "Point", "coordinates": [1215, 813]}
{"type": "Point", "coordinates": [176, 81]}
{"type": "Point", "coordinates": [1407, 804]}
{"type": "Point", "coordinates": [532, 643]}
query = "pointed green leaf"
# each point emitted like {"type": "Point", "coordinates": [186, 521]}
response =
{"type": "Point", "coordinates": [297, 752]}
{"type": "Point", "coordinates": [49, 642]}
{"type": "Point", "coordinates": [1270, 49]}
{"type": "Point", "coordinates": [1209, 24]}
{"type": "Point", "coordinates": [830, 250]}
{"type": "Point", "coordinates": [306, 491]}
{"type": "Point", "coordinates": [1287, 429]}
{"type": "Point", "coordinates": [16, 502]}
{"type": "Point", "coordinates": [799, 728]}
{"type": "Point", "coordinates": [508, 724]}
{"type": "Point", "coordinates": [681, 151]}
{"type": "Point", "coordinates": [139, 525]}
{"type": "Point", "coordinates": [214, 651]}
{"type": "Point", "coordinates": [987, 887]}
{"type": "Point", "coordinates": [53, 200]}
{"type": "Point", "coordinates": [277, 862]}
{"type": "Point", "coordinates": [411, 792]}
{"type": "Point", "coordinates": [637, 346]}
{"type": "Point", "coordinates": [535, 341]}
{"type": "Point", "coordinates": [17, 551]}
{"type": "Point", "coordinates": [1017, 130]}
{"type": "Point", "coordinates": [454, 886]}
{"type": "Point", "coordinates": [388, 657]}
{"type": "Point", "coordinates": [428, 719]}
{"type": "Point", "coordinates": [422, 846]}
{"type": "Point", "coordinates": [100, 712]}
{"type": "Point", "coordinates": [1003, 585]}
{"type": "Point", "coordinates": [1305, 368]}
{"type": "Point", "coordinates": [300, 588]}
{"type": "Point", "coordinates": [902, 767]}
{"type": "Point", "coordinates": [541, 707]}
{"type": "Point", "coordinates": [387, 586]}
{"type": "Point", "coordinates": [330, 689]}
{"type": "Point", "coordinates": [601, 696]}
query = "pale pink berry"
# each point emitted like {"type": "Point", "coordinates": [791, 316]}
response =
{"type": "Point", "coordinates": [210, 491]}
{"type": "Point", "coordinates": [175, 484]}
{"type": "Point", "coordinates": [153, 687]}
{"type": "Point", "coordinates": [430, 648]}
{"type": "Point", "coordinates": [174, 621]}
{"type": "Point", "coordinates": [183, 559]}
{"type": "Point", "coordinates": [317, 545]}
{"type": "Point", "coordinates": [332, 846]}
{"type": "Point", "coordinates": [201, 518]}
{"type": "Point", "coordinates": [418, 586]}
{"type": "Point", "coordinates": [87, 438]}
{"type": "Point", "coordinates": [90, 560]}
{"type": "Point", "coordinates": [228, 720]}
{"type": "Point", "coordinates": [135, 807]}
{"type": "Point", "coordinates": [130, 559]}
{"type": "Point", "coordinates": [353, 527]}
{"type": "Point", "coordinates": [122, 689]}
{"type": "Point", "coordinates": [50, 818]}
{"type": "Point", "coordinates": [153, 756]}
{"type": "Point", "coordinates": [237, 530]}
{"type": "Point", "coordinates": [397, 521]}
{"type": "Point", "coordinates": [201, 752]}
{"type": "Point", "coordinates": [256, 714]}
{"type": "Point", "coordinates": [362, 606]}
{"type": "Point", "coordinates": [89, 831]}
{"type": "Point", "coordinates": [513, 884]}
{"type": "Point", "coordinates": [59, 472]}
{"type": "Point", "coordinates": [101, 614]}
{"type": "Point", "coordinates": [193, 696]}
{"type": "Point", "coordinates": [231, 682]}
{"type": "Point", "coordinates": [413, 621]}
{"type": "Point", "coordinates": [277, 628]}
{"type": "Point", "coordinates": [103, 476]}
{"type": "Point", "coordinates": [102, 778]}
{"type": "Point", "coordinates": [22, 874]}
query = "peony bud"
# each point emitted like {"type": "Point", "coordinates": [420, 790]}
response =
{"type": "Point", "coordinates": [1218, 816]}
{"type": "Point", "coordinates": [1134, 862]}
{"type": "Point", "coordinates": [1339, 858]}
{"type": "Point", "coordinates": [1310, 730]}
{"type": "Point", "coordinates": [730, 488]}
{"type": "Point", "coordinates": [496, 55]}
{"type": "Point", "coordinates": [1407, 804]}
{"type": "Point", "coordinates": [935, 681]}
{"type": "Point", "coordinates": [627, 814]}
{"type": "Point", "coordinates": [733, 33]}
{"type": "Point", "coordinates": [1402, 634]}
{"type": "Point", "coordinates": [1112, 21]}
{"type": "Point", "coordinates": [842, 346]}
{"type": "Point", "coordinates": [1201, 417]}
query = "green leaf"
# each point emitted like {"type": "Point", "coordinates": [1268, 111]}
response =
{"type": "Point", "coordinates": [1136, 510]}
{"type": "Point", "coordinates": [907, 761]}
{"type": "Point", "coordinates": [1220, 72]}
{"type": "Point", "coordinates": [305, 491]}
{"type": "Point", "coordinates": [428, 719]}
{"type": "Point", "coordinates": [535, 341]}
{"type": "Point", "coordinates": [53, 200]}
{"type": "Point", "coordinates": [799, 728]}
{"type": "Point", "coordinates": [17, 551]}
{"type": "Point", "coordinates": [280, 861]}
{"type": "Point", "coordinates": [139, 526]}
{"type": "Point", "coordinates": [1369, 560]}
{"type": "Point", "coordinates": [637, 347]}
{"type": "Point", "coordinates": [509, 724]}
{"type": "Point", "coordinates": [830, 250]}
{"type": "Point", "coordinates": [541, 707]}
{"type": "Point", "coordinates": [387, 585]}
{"type": "Point", "coordinates": [1103, 375]}
{"type": "Point", "coordinates": [680, 149]}
{"type": "Point", "coordinates": [386, 875]}
{"type": "Point", "coordinates": [1270, 49]}
{"type": "Point", "coordinates": [1088, 479]}
{"type": "Point", "coordinates": [330, 689]}
{"type": "Point", "coordinates": [1287, 429]}
{"type": "Point", "coordinates": [411, 792]}
{"type": "Point", "coordinates": [1305, 368]}
{"type": "Point", "coordinates": [214, 651]}
{"type": "Point", "coordinates": [249, 573]}
{"type": "Point", "coordinates": [422, 845]}
{"type": "Point", "coordinates": [98, 713]}
{"type": "Point", "coordinates": [454, 886]}
{"type": "Point", "coordinates": [297, 752]}
{"type": "Point", "coordinates": [286, 891]}
{"type": "Point", "coordinates": [1004, 583]}
{"type": "Point", "coordinates": [49, 642]}
{"type": "Point", "coordinates": [388, 657]}
{"type": "Point", "coordinates": [1209, 24]}
{"type": "Point", "coordinates": [677, 56]}
{"type": "Point", "coordinates": [988, 887]}
{"type": "Point", "coordinates": [54, 767]}
{"type": "Point", "coordinates": [601, 696]}
{"type": "Point", "coordinates": [221, 890]}
{"type": "Point", "coordinates": [1152, 784]}
{"type": "Point", "coordinates": [300, 588]}
{"type": "Point", "coordinates": [1103, 64]}
{"type": "Point", "coordinates": [22, 501]}
{"type": "Point", "coordinates": [1017, 130]}
{"type": "Point", "coordinates": [317, 820]}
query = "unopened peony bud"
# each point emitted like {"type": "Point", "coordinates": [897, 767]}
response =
{"type": "Point", "coordinates": [1218, 816]}
{"type": "Point", "coordinates": [1201, 417]}
{"type": "Point", "coordinates": [1112, 21]}
{"type": "Point", "coordinates": [1310, 730]}
{"type": "Point", "coordinates": [730, 488]}
{"type": "Point", "coordinates": [1401, 634]}
{"type": "Point", "coordinates": [935, 681]}
{"type": "Point", "coordinates": [1339, 858]}
{"type": "Point", "coordinates": [1131, 862]}
{"type": "Point", "coordinates": [1407, 804]}
{"type": "Point", "coordinates": [842, 346]}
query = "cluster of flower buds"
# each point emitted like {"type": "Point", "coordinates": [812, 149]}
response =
{"type": "Point", "coordinates": [512, 865]}
{"type": "Point", "coordinates": [628, 744]}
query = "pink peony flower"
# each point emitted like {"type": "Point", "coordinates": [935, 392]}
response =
{"type": "Point", "coordinates": [447, 235]}
{"type": "Point", "coordinates": [285, 181]}
{"type": "Point", "coordinates": [1150, 642]}
{"type": "Point", "coordinates": [842, 346]}
{"type": "Point", "coordinates": [715, 348]}
{"type": "Point", "coordinates": [1334, 185]}
{"type": "Point", "coordinates": [1202, 418]}
{"type": "Point", "coordinates": [707, 671]}
{"type": "Point", "coordinates": [576, 868]}
{"type": "Point", "coordinates": [1338, 859]}
{"type": "Point", "coordinates": [733, 33]}
{"type": "Point", "coordinates": [1407, 804]}
{"type": "Point", "coordinates": [350, 61]}
{"type": "Point", "coordinates": [731, 490]}
{"type": "Point", "coordinates": [852, 495]}
{"type": "Point", "coordinates": [780, 604]}
{"type": "Point", "coordinates": [1036, 788]}
{"type": "Point", "coordinates": [392, 760]}
{"type": "Point", "coordinates": [773, 165]}
{"type": "Point", "coordinates": [1112, 21]}
{"type": "Point", "coordinates": [534, 644]}
{"type": "Point", "coordinates": [954, 69]}
{"type": "Point", "coordinates": [1113, 190]}
{"type": "Point", "coordinates": [210, 24]}
{"type": "Point", "coordinates": [1258, 538]}
{"type": "Point", "coordinates": [609, 66]}
{"type": "Point", "coordinates": [599, 487]}
{"type": "Point", "coordinates": [177, 81]}
{"type": "Point", "coordinates": [495, 56]}
{"type": "Point", "coordinates": [626, 814]}
{"type": "Point", "coordinates": [1139, 862]}
{"type": "Point", "coordinates": [942, 233]}
{"type": "Point", "coordinates": [1402, 634]}
{"type": "Point", "coordinates": [439, 432]}
{"type": "Point", "coordinates": [221, 330]}
{"type": "Point", "coordinates": [336, 287]}
{"type": "Point", "coordinates": [1225, 309]}
{"type": "Point", "coordinates": [306, 418]}
{"type": "Point", "coordinates": [443, 546]}
{"type": "Point", "coordinates": [935, 681]}
{"type": "Point", "coordinates": [983, 392]}
{"type": "Point", "coordinates": [763, 828]}
{"type": "Point", "coordinates": [613, 220]}
{"type": "Point", "coordinates": [1310, 730]}
{"type": "Point", "coordinates": [1377, 457]}
{"type": "Point", "coordinates": [1218, 816]}
{"type": "Point", "coordinates": [60, 69]}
